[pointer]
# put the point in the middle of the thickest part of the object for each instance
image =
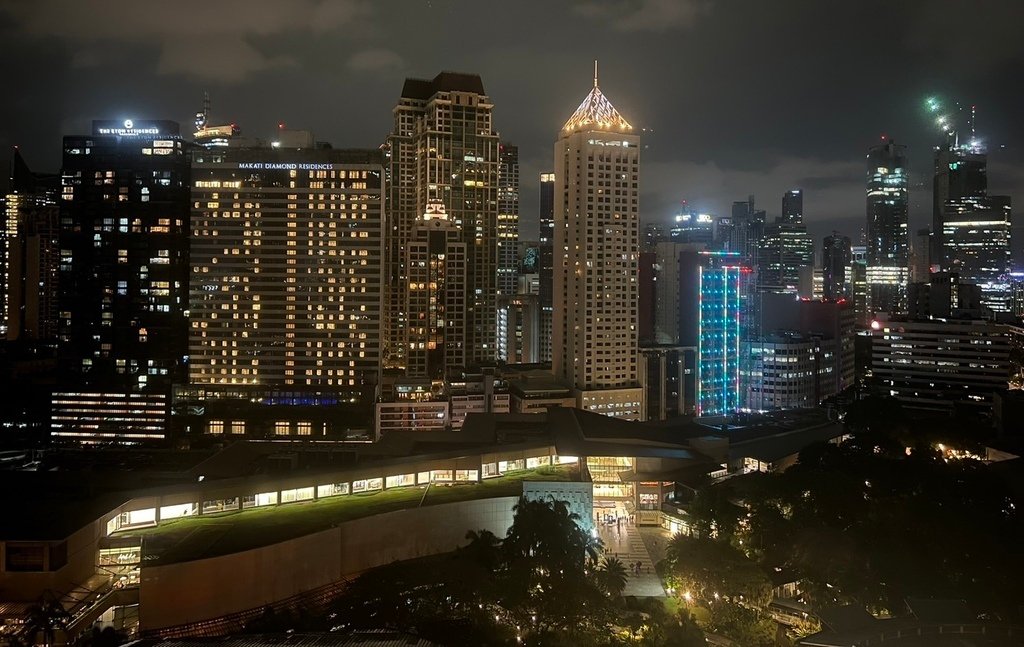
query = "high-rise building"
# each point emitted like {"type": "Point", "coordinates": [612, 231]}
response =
{"type": "Point", "coordinates": [944, 296]}
{"type": "Point", "coordinates": [974, 226]}
{"type": "Point", "coordinates": [940, 364]}
{"type": "Point", "coordinates": [793, 207]}
{"type": "Point", "coordinates": [124, 271]}
{"type": "Point", "coordinates": [693, 227]}
{"type": "Point", "coordinates": [860, 291]}
{"type": "Point", "coordinates": [508, 218]}
{"type": "Point", "coordinates": [787, 370]}
{"type": "Point", "coordinates": [597, 238]}
{"type": "Point", "coordinates": [888, 239]}
{"type": "Point", "coordinates": [29, 249]}
{"type": "Point", "coordinates": [784, 249]}
{"type": "Point", "coordinates": [519, 329]}
{"type": "Point", "coordinates": [208, 135]}
{"type": "Point", "coordinates": [920, 256]}
{"type": "Point", "coordinates": [546, 269]}
{"type": "Point", "coordinates": [444, 148]}
{"type": "Point", "coordinates": [722, 294]}
{"type": "Point", "coordinates": [836, 256]}
{"type": "Point", "coordinates": [287, 257]}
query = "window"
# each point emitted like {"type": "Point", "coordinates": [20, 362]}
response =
{"type": "Point", "coordinates": [305, 428]}
{"type": "Point", "coordinates": [282, 428]}
{"type": "Point", "coordinates": [215, 427]}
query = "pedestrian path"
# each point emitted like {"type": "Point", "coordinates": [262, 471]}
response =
{"type": "Point", "coordinates": [623, 540]}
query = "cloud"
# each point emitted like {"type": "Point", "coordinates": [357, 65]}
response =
{"type": "Point", "coordinates": [833, 190]}
{"type": "Point", "coordinates": [644, 15]}
{"type": "Point", "coordinates": [197, 38]}
{"type": "Point", "coordinates": [375, 60]}
{"type": "Point", "coordinates": [991, 37]}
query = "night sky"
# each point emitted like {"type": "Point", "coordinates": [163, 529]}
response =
{"type": "Point", "coordinates": [737, 97]}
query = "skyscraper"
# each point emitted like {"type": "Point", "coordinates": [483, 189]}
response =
{"type": "Point", "coordinates": [974, 227]}
{"type": "Point", "coordinates": [547, 239]}
{"type": "Point", "coordinates": [287, 258]}
{"type": "Point", "coordinates": [508, 219]}
{"type": "Point", "coordinates": [836, 257]}
{"type": "Point", "coordinates": [793, 207]}
{"type": "Point", "coordinates": [784, 249]}
{"type": "Point", "coordinates": [597, 231]}
{"type": "Point", "coordinates": [29, 249]}
{"type": "Point", "coordinates": [888, 239]}
{"type": "Point", "coordinates": [444, 148]}
{"type": "Point", "coordinates": [124, 273]}
{"type": "Point", "coordinates": [722, 291]}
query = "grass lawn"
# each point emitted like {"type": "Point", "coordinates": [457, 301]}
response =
{"type": "Point", "coordinates": [190, 538]}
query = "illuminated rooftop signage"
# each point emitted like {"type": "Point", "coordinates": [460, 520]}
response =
{"type": "Point", "coordinates": [285, 166]}
{"type": "Point", "coordinates": [133, 128]}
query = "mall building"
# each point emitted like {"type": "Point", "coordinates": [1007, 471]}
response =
{"type": "Point", "coordinates": [159, 540]}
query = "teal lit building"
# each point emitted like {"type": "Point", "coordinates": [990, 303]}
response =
{"type": "Point", "coordinates": [722, 302]}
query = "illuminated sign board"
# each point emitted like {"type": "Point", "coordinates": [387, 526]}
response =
{"type": "Point", "coordinates": [134, 128]}
{"type": "Point", "coordinates": [285, 166]}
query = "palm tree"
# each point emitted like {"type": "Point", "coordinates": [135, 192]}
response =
{"type": "Point", "coordinates": [47, 616]}
{"type": "Point", "coordinates": [611, 576]}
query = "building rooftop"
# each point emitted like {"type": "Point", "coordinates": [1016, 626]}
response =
{"type": "Point", "coordinates": [596, 113]}
{"type": "Point", "coordinates": [423, 89]}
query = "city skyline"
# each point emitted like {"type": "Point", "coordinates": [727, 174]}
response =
{"type": "Point", "coordinates": [741, 135]}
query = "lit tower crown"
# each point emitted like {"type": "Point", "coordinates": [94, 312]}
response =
{"type": "Point", "coordinates": [596, 113]}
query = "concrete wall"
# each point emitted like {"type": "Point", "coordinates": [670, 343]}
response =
{"type": "Point", "coordinates": [188, 592]}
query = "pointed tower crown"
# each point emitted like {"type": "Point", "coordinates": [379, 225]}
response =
{"type": "Point", "coordinates": [596, 113]}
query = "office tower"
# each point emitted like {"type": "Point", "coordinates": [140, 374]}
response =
{"type": "Point", "coordinates": [812, 283]}
{"type": "Point", "coordinates": [287, 261]}
{"type": "Point", "coordinates": [942, 365]}
{"type": "Point", "coordinates": [888, 238]}
{"type": "Point", "coordinates": [943, 296]}
{"type": "Point", "coordinates": [722, 289]}
{"type": "Point", "coordinates": [832, 323]}
{"type": "Point", "coordinates": [860, 292]}
{"type": "Point", "coordinates": [793, 207]}
{"type": "Point", "coordinates": [444, 148]}
{"type": "Point", "coordinates": [667, 374]}
{"type": "Point", "coordinates": [974, 226]}
{"type": "Point", "coordinates": [783, 250]}
{"type": "Point", "coordinates": [29, 254]}
{"type": "Point", "coordinates": [508, 218]}
{"type": "Point", "coordinates": [519, 329]}
{"type": "Point", "coordinates": [597, 237]}
{"type": "Point", "coordinates": [742, 231]}
{"type": "Point", "coordinates": [920, 255]}
{"type": "Point", "coordinates": [693, 227]}
{"type": "Point", "coordinates": [787, 369]}
{"type": "Point", "coordinates": [546, 269]}
{"type": "Point", "coordinates": [836, 257]}
{"type": "Point", "coordinates": [124, 277]}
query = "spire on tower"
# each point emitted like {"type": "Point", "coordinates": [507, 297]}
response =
{"type": "Point", "coordinates": [595, 72]}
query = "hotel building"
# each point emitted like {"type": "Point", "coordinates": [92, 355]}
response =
{"type": "Point", "coordinates": [596, 249]}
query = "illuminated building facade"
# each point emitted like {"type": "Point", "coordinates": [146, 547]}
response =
{"type": "Point", "coordinates": [784, 249]}
{"type": "Point", "coordinates": [437, 300]}
{"type": "Point", "coordinates": [596, 243]}
{"type": "Point", "coordinates": [124, 272]}
{"type": "Point", "coordinates": [29, 251]}
{"type": "Point", "coordinates": [287, 261]}
{"type": "Point", "coordinates": [974, 226]}
{"type": "Point", "coordinates": [209, 136]}
{"type": "Point", "coordinates": [519, 329]}
{"type": "Point", "coordinates": [860, 291]}
{"type": "Point", "coordinates": [444, 147]}
{"type": "Point", "coordinates": [722, 286]}
{"type": "Point", "coordinates": [691, 227]}
{"type": "Point", "coordinates": [508, 219]}
{"type": "Point", "coordinates": [788, 370]}
{"type": "Point", "coordinates": [941, 364]}
{"type": "Point", "coordinates": [888, 245]}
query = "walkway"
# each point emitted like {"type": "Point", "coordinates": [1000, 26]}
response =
{"type": "Point", "coordinates": [623, 540]}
